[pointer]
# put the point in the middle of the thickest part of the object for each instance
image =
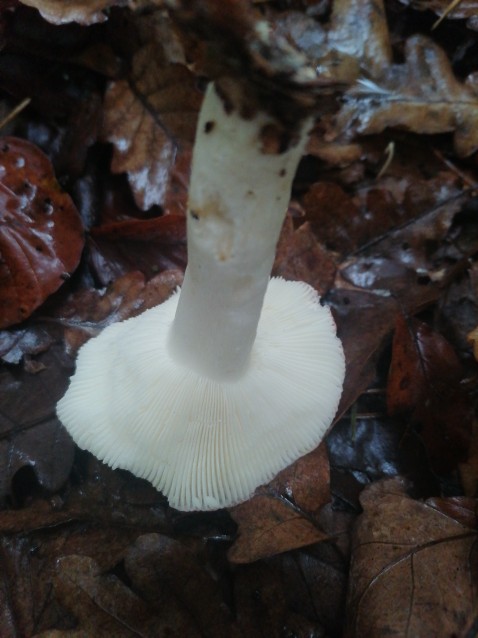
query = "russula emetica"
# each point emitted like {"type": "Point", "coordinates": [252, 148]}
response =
{"type": "Point", "coordinates": [212, 393]}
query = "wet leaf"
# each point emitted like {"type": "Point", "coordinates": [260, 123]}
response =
{"type": "Point", "coordinates": [30, 434]}
{"type": "Point", "coordinates": [425, 381]}
{"type": "Point", "coordinates": [413, 568]}
{"type": "Point", "coordinates": [172, 576]}
{"type": "Point", "coordinates": [283, 515]}
{"type": "Point", "coordinates": [88, 312]}
{"type": "Point", "coordinates": [101, 603]}
{"type": "Point", "coordinates": [149, 117]}
{"type": "Point", "coordinates": [422, 95]}
{"type": "Point", "coordinates": [315, 584]}
{"type": "Point", "coordinates": [259, 598]}
{"type": "Point", "coordinates": [41, 236]}
{"type": "Point", "coordinates": [370, 447]}
{"type": "Point", "coordinates": [300, 257]}
{"type": "Point", "coordinates": [28, 340]}
{"type": "Point", "coordinates": [151, 246]}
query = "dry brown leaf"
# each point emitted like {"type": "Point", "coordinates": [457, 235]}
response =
{"type": "Point", "coordinates": [413, 569]}
{"type": "Point", "coordinates": [422, 96]}
{"type": "Point", "coordinates": [149, 117]}
{"type": "Point", "coordinates": [81, 11]}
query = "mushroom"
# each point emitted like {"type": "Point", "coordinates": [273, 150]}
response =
{"type": "Point", "coordinates": [213, 392]}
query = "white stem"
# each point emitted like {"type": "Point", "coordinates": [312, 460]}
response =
{"type": "Point", "coordinates": [238, 198]}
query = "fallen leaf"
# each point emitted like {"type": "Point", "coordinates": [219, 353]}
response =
{"type": "Point", "coordinates": [461, 508]}
{"type": "Point", "coordinates": [334, 216]}
{"type": "Point", "coordinates": [369, 47]}
{"type": "Point", "coordinates": [366, 449]}
{"type": "Point", "coordinates": [259, 600]}
{"type": "Point", "coordinates": [340, 50]}
{"type": "Point", "coordinates": [422, 95]}
{"type": "Point", "coordinates": [149, 117]}
{"type": "Point", "coordinates": [425, 381]}
{"type": "Point", "coordinates": [86, 313]}
{"type": "Point", "coordinates": [315, 584]}
{"type": "Point", "coordinates": [170, 576]}
{"type": "Point", "coordinates": [27, 340]}
{"type": "Point", "coordinates": [413, 568]}
{"type": "Point", "coordinates": [31, 437]}
{"type": "Point", "coordinates": [101, 603]}
{"type": "Point", "coordinates": [283, 515]}
{"type": "Point", "coordinates": [41, 236]}
{"type": "Point", "coordinates": [150, 245]}
{"type": "Point", "coordinates": [300, 257]}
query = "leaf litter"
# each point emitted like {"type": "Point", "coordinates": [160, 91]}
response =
{"type": "Point", "coordinates": [85, 550]}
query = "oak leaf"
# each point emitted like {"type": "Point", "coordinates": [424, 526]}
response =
{"type": "Point", "coordinates": [422, 95]}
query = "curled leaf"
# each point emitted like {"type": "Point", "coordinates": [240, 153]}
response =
{"type": "Point", "coordinates": [41, 235]}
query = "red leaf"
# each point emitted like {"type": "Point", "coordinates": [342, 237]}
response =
{"type": "Point", "coordinates": [149, 245]}
{"type": "Point", "coordinates": [41, 236]}
{"type": "Point", "coordinates": [425, 381]}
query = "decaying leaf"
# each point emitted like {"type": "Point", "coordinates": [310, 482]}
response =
{"type": "Point", "coordinates": [25, 340]}
{"type": "Point", "coordinates": [101, 603]}
{"type": "Point", "coordinates": [300, 257]}
{"type": "Point", "coordinates": [172, 577]}
{"type": "Point", "coordinates": [283, 515]}
{"type": "Point", "coordinates": [149, 117]}
{"type": "Point", "coordinates": [31, 437]}
{"type": "Point", "coordinates": [422, 95]}
{"type": "Point", "coordinates": [414, 568]}
{"type": "Point", "coordinates": [342, 49]}
{"type": "Point", "coordinates": [149, 245]}
{"type": "Point", "coordinates": [425, 381]}
{"type": "Point", "coordinates": [41, 236]}
{"type": "Point", "coordinates": [88, 312]}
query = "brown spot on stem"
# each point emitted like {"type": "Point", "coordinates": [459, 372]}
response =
{"type": "Point", "coordinates": [209, 126]}
{"type": "Point", "coordinates": [226, 101]}
{"type": "Point", "coordinates": [274, 139]}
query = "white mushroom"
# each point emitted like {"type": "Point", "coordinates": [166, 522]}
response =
{"type": "Point", "coordinates": [213, 392]}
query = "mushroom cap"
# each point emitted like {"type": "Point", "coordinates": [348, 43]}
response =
{"type": "Point", "coordinates": [208, 444]}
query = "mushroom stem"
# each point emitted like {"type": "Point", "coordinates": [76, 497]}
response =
{"type": "Point", "coordinates": [242, 172]}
